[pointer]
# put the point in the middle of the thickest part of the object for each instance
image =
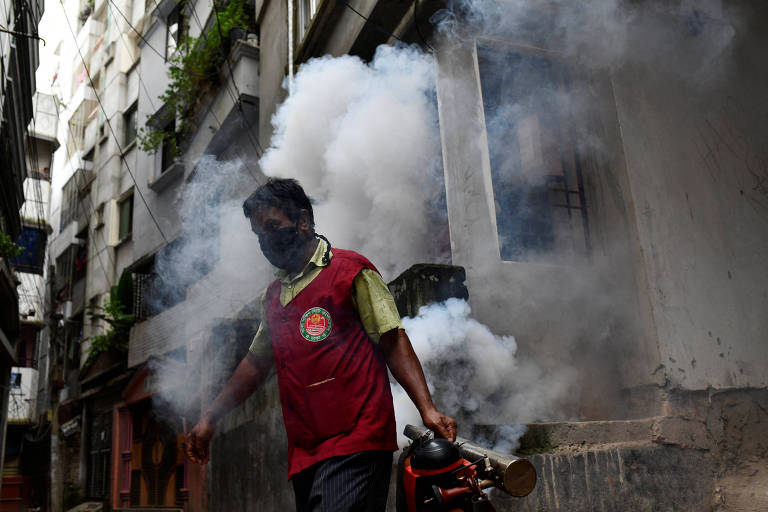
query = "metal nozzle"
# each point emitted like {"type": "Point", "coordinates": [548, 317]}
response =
{"type": "Point", "coordinates": [511, 474]}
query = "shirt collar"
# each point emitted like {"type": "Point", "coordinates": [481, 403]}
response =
{"type": "Point", "coordinates": [315, 261]}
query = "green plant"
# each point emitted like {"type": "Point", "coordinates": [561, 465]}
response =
{"type": "Point", "coordinates": [9, 249]}
{"type": "Point", "coordinates": [193, 67]}
{"type": "Point", "coordinates": [114, 313]}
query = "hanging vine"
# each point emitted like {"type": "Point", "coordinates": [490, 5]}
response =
{"type": "Point", "coordinates": [193, 68]}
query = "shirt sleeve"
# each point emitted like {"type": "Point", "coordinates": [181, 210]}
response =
{"type": "Point", "coordinates": [375, 304]}
{"type": "Point", "coordinates": [261, 344]}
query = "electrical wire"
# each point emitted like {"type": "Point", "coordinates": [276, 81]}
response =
{"type": "Point", "coordinates": [235, 98]}
{"type": "Point", "coordinates": [90, 228]}
{"type": "Point", "coordinates": [109, 125]}
{"type": "Point", "coordinates": [141, 82]}
{"type": "Point", "coordinates": [259, 151]}
{"type": "Point", "coordinates": [162, 56]}
{"type": "Point", "coordinates": [256, 145]}
{"type": "Point", "coordinates": [367, 20]}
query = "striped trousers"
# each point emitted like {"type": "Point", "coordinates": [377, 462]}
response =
{"type": "Point", "coordinates": [350, 483]}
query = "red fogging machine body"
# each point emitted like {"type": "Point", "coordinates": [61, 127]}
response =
{"type": "Point", "coordinates": [436, 475]}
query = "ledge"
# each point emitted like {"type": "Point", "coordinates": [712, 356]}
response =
{"type": "Point", "coordinates": [243, 49]}
{"type": "Point", "coordinates": [168, 176]}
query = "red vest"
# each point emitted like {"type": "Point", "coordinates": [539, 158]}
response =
{"type": "Point", "coordinates": [333, 381]}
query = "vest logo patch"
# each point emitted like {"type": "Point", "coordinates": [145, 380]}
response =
{"type": "Point", "coordinates": [315, 324]}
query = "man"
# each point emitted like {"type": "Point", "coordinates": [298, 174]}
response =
{"type": "Point", "coordinates": [330, 327]}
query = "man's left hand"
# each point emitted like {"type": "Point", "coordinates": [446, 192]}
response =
{"type": "Point", "coordinates": [442, 425]}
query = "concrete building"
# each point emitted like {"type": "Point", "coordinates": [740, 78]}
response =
{"type": "Point", "coordinates": [618, 232]}
{"type": "Point", "coordinates": [21, 223]}
{"type": "Point", "coordinates": [633, 252]}
{"type": "Point", "coordinates": [25, 475]}
{"type": "Point", "coordinates": [90, 69]}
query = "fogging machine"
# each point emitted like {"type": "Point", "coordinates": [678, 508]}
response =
{"type": "Point", "coordinates": [438, 475]}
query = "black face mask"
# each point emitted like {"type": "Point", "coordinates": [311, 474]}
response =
{"type": "Point", "coordinates": [282, 246]}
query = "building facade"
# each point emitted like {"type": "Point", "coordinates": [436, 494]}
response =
{"type": "Point", "coordinates": [24, 160]}
{"type": "Point", "coordinates": [617, 231]}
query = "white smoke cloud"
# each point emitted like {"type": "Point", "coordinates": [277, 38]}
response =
{"type": "Point", "coordinates": [476, 375]}
{"type": "Point", "coordinates": [204, 277]}
{"type": "Point", "coordinates": [363, 140]}
{"type": "Point", "coordinates": [687, 38]}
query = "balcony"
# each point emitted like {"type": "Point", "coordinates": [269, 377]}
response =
{"type": "Point", "coordinates": [22, 396]}
{"type": "Point", "coordinates": [102, 53]}
{"type": "Point", "coordinates": [84, 104]}
{"type": "Point", "coordinates": [45, 123]}
{"type": "Point", "coordinates": [87, 39]}
{"type": "Point", "coordinates": [69, 283]}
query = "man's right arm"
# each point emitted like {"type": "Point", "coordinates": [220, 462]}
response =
{"type": "Point", "coordinates": [249, 375]}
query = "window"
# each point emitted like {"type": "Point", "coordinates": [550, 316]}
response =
{"type": "Point", "coordinates": [168, 149]}
{"type": "Point", "coordinates": [71, 268]}
{"type": "Point", "coordinates": [99, 452]}
{"type": "Point", "coordinates": [306, 11]}
{"type": "Point", "coordinates": [174, 31]}
{"type": "Point", "coordinates": [125, 213]}
{"type": "Point", "coordinates": [535, 172]}
{"type": "Point", "coordinates": [81, 257]}
{"type": "Point", "coordinates": [99, 217]}
{"type": "Point", "coordinates": [33, 241]}
{"type": "Point", "coordinates": [130, 119]}
{"type": "Point", "coordinates": [69, 201]}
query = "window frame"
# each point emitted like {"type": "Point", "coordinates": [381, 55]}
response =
{"type": "Point", "coordinates": [130, 117]}
{"type": "Point", "coordinates": [176, 11]}
{"type": "Point", "coordinates": [569, 145]}
{"type": "Point", "coordinates": [125, 199]}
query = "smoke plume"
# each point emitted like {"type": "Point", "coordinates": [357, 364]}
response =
{"type": "Point", "coordinates": [477, 376]}
{"type": "Point", "coordinates": [203, 279]}
{"type": "Point", "coordinates": [363, 140]}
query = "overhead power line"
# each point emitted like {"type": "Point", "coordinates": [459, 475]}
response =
{"type": "Point", "coordinates": [373, 24]}
{"type": "Point", "coordinates": [236, 96]}
{"type": "Point", "coordinates": [92, 231]}
{"type": "Point", "coordinates": [237, 99]}
{"type": "Point", "coordinates": [111, 130]}
{"type": "Point", "coordinates": [162, 56]}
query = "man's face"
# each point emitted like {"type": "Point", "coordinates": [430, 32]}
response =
{"type": "Point", "coordinates": [282, 240]}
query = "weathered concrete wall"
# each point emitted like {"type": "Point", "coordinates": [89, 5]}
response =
{"type": "Point", "coordinates": [248, 469]}
{"type": "Point", "coordinates": [271, 17]}
{"type": "Point", "coordinates": [589, 315]}
{"type": "Point", "coordinates": [698, 168]}
{"type": "Point", "coordinates": [617, 479]}
{"type": "Point", "coordinates": [676, 287]}
{"type": "Point", "coordinates": [708, 452]}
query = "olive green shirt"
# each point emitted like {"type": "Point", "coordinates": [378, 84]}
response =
{"type": "Point", "coordinates": [370, 296]}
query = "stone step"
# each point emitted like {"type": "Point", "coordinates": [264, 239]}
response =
{"type": "Point", "coordinates": [546, 437]}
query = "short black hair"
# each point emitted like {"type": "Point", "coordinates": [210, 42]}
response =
{"type": "Point", "coordinates": [283, 193]}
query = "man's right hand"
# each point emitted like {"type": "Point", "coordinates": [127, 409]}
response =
{"type": "Point", "coordinates": [199, 441]}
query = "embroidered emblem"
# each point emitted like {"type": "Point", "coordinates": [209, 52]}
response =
{"type": "Point", "coordinates": [315, 324]}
